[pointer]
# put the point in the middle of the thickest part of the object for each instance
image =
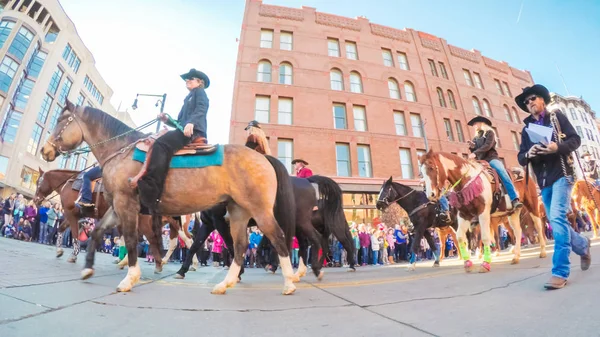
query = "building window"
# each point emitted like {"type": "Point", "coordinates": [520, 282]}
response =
{"type": "Point", "coordinates": [351, 51]}
{"type": "Point", "coordinates": [515, 140]}
{"type": "Point", "coordinates": [63, 162]}
{"type": "Point", "coordinates": [443, 70]}
{"type": "Point", "coordinates": [264, 72]}
{"type": "Point", "coordinates": [478, 82]}
{"type": "Point", "coordinates": [433, 68]}
{"type": "Point", "coordinates": [262, 108]}
{"type": "Point", "coordinates": [355, 83]}
{"type": "Point", "coordinates": [497, 136]}
{"type": "Point", "coordinates": [285, 148]}
{"type": "Point", "coordinates": [266, 38]}
{"type": "Point", "coordinates": [467, 76]}
{"type": "Point", "coordinates": [3, 167]}
{"type": "Point", "coordinates": [339, 116]}
{"type": "Point", "coordinates": [342, 157]}
{"type": "Point", "coordinates": [448, 127]}
{"type": "Point", "coordinates": [417, 127]}
{"type": "Point", "coordinates": [441, 98]}
{"type": "Point", "coordinates": [54, 81]}
{"type": "Point", "coordinates": [476, 106]}
{"type": "Point", "coordinates": [498, 87]}
{"type": "Point", "coordinates": [36, 64]}
{"type": "Point", "coordinates": [83, 161]}
{"type": "Point", "coordinates": [12, 126]}
{"type": "Point", "coordinates": [286, 41]}
{"type": "Point", "coordinates": [23, 94]}
{"type": "Point", "coordinates": [409, 91]}
{"type": "Point", "coordinates": [71, 58]}
{"type": "Point", "coordinates": [406, 164]}
{"type": "Point", "coordinates": [5, 30]}
{"type": "Point", "coordinates": [364, 161]}
{"type": "Point", "coordinates": [333, 46]}
{"type": "Point", "coordinates": [573, 114]}
{"type": "Point", "coordinates": [506, 113]}
{"type": "Point", "coordinates": [459, 131]}
{"type": "Point", "coordinates": [451, 100]}
{"type": "Point", "coordinates": [515, 115]}
{"type": "Point", "coordinates": [34, 141]}
{"type": "Point", "coordinates": [80, 99]}
{"type": "Point", "coordinates": [73, 162]}
{"type": "Point", "coordinates": [403, 61]}
{"type": "Point", "coordinates": [486, 108]}
{"type": "Point", "coordinates": [579, 131]}
{"type": "Point", "coordinates": [506, 89]}
{"type": "Point", "coordinates": [56, 113]}
{"type": "Point", "coordinates": [21, 43]}
{"type": "Point", "coordinates": [336, 80]}
{"type": "Point", "coordinates": [284, 113]}
{"type": "Point", "coordinates": [45, 109]}
{"type": "Point", "coordinates": [64, 91]}
{"type": "Point", "coordinates": [400, 123]}
{"type": "Point", "coordinates": [285, 73]}
{"type": "Point", "coordinates": [29, 178]}
{"type": "Point", "coordinates": [8, 68]}
{"type": "Point", "coordinates": [360, 118]}
{"type": "Point", "coordinates": [393, 88]}
{"type": "Point", "coordinates": [387, 58]}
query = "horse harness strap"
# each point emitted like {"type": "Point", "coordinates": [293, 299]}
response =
{"type": "Point", "coordinates": [420, 208]}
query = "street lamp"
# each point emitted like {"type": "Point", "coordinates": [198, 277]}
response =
{"type": "Point", "coordinates": [162, 100]}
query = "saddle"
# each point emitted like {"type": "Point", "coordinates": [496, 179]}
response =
{"type": "Point", "coordinates": [97, 185]}
{"type": "Point", "coordinates": [494, 179]}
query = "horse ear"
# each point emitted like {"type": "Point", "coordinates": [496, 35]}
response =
{"type": "Point", "coordinates": [390, 180]}
{"type": "Point", "coordinates": [70, 106]}
{"type": "Point", "coordinates": [41, 171]}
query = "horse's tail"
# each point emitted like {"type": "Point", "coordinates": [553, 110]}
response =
{"type": "Point", "coordinates": [285, 203]}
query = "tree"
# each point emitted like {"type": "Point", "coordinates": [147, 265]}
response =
{"type": "Point", "coordinates": [393, 215]}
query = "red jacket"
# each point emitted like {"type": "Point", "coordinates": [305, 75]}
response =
{"type": "Point", "coordinates": [304, 172]}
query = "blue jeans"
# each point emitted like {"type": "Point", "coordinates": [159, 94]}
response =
{"type": "Point", "coordinates": [365, 254]}
{"type": "Point", "coordinates": [557, 200]}
{"type": "Point", "coordinates": [86, 189]}
{"type": "Point", "coordinates": [444, 207]}
{"type": "Point", "coordinates": [497, 165]}
{"type": "Point", "coordinates": [375, 257]}
{"type": "Point", "coordinates": [295, 260]}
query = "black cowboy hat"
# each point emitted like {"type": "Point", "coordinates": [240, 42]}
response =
{"type": "Point", "coordinates": [193, 73]}
{"type": "Point", "coordinates": [538, 90]}
{"type": "Point", "coordinates": [586, 153]}
{"type": "Point", "coordinates": [254, 123]}
{"type": "Point", "coordinates": [479, 119]}
{"type": "Point", "coordinates": [299, 161]}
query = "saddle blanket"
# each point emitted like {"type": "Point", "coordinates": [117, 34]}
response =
{"type": "Point", "coordinates": [97, 185]}
{"type": "Point", "coordinates": [192, 160]}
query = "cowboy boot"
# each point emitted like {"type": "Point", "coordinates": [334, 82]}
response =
{"type": "Point", "coordinates": [133, 181]}
{"type": "Point", "coordinates": [200, 141]}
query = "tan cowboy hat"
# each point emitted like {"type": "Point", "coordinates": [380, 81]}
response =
{"type": "Point", "coordinates": [299, 161]}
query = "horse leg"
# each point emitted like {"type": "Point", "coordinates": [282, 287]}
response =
{"type": "Point", "coordinates": [127, 210]}
{"type": "Point", "coordinates": [537, 222]}
{"type": "Point", "coordinates": [455, 240]}
{"type": "Point", "coordinates": [442, 234]}
{"type": "Point", "coordinates": [225, 232]}
{"type": "Point", "coordinates": [433, 247]}
{"type": "Point", "coordinates": [172, 246]}
{"type": "Point", "coordinates": [59, 238]}
{"type": "Point", "coordinates": [486, 238]}
{"type": "Point", "coordinates": [414, 248]}
{"type": "Point", "coordinates": [342, 233]}
{"type": "Point", "coordinates": [147, 225]}
{"type": "Point", "coordinates": [201, 235]}
{"type": "Point", "coordinates": [515, 222]}
{"type": "Point", "coordinates": [95, 238]}
{"type": "Point", "coordinates": [465, 254]}
{"type": "Point", "coordinates": [302, 251]}
{"type": "Point", "coordinates": [305, 230]}
{"type": "Point", "coordinates": [188, 243]}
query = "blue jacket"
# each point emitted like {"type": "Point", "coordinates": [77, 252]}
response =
{"type": "Point", "coordinates": [43, 213]}
{"type": "Point", "coordinates": [547, 168]}
{"type": "Point", "coordinates": [255, 239]}
{"type": "Point", "coordinates": [194, 110]}
{"type": "Point", "coordinates": [400, 237]}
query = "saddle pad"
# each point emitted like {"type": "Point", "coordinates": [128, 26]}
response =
{"type": "Point", "coordinates": [189, 160]}
{"type": "Point", "coordinates": [97, 185]}
{"type": "Point", "coordinates": [191, 149]}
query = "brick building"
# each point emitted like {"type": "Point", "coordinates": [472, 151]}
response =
{"type": "Point", "coordinates": [360, 101]}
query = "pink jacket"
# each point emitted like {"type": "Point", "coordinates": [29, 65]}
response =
{"type": "Point", "coordinates": [391, 240]}
{"type": "Point", "coordinates": [217, 242]}
{"type": "Point", "coordinates": [295, 244]}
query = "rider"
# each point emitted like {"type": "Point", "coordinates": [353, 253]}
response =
{"type": "Point", "coordinates": [301, 170]}
{"type": "Point", "coordinates": [85, 197]}
{"type": "Point", "coordinates": [444, 211]}
{"type": "Point", "coordinates": [483, 147]}
{"type": "Point", "coordinates": [591, 168]}
{"type": "Point", "coordinates": [193, 119]}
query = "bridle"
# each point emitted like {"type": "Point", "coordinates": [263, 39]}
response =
{"type": "Point", "coordinates": [388, 203]}
{"type": "Point", "coordinates": [58, 137]}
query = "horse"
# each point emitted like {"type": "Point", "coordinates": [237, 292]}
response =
{"type": "Point", "coordinates": [246, 180]}
{"type": "Point", "coordinates": [423, 214]}
{"type": "Point", "coordinates": [477, 196]}
{"type": "Point", "coordinates": [586, 197]}
{"type": "Point", "coordinates": [61, 182]}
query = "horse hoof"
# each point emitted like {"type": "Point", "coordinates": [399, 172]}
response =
{"type": "Point", "coordinates": [164, 262]}
{"type": "Point", "coordinates": [515, 260]}
{"type": "Point", "coordinates": [219, 289]}
{"type": "Point", "coordinates": [121, 266]}
{"type": "Point", "coordinates": [497, 253]}
{"type": "Point", "coordinates": [436, 264]}
{"type": "Point", "coordinates": [179, 276]}
{"type": "Point", "coordinates": [321, 274]}
{"type": "Point", "coordinates": [468, 266]}
{"type": "Point", "coordinates": [157, 270]}
{"type": "Point", "coordinates": [87, 273]}
{"type": "Point", "coordinates": [59, 253]}
{"type": "Point", "coordinates": [295, 278]}
{"type": "Point", "coordinates": [351, 269]}
{"type": "Point", "coordinates": [542, 254]}
{"type": "Point", "coordinates": [289, 289]}
{"type": "Point", "coordinates": [411, 267]}
{"type": "Point", "coordinates": [485, 267]}
{"type": "Point", "coordinates": [72, 259]}
{"type": "Point", "coordinates": [192, 269]}
{"type": "Point", "coordinates": [272, 272]}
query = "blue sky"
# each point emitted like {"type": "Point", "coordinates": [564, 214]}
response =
{"type": "Point", "coordinates": [143, 45]}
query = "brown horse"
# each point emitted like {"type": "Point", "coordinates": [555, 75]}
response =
{"type": "Point", "coordinates": [583, 200]}
{"type": "Point", "coordinates": [473, 196]}
{"type": "Point", "coordinates": [246, 180]}
{"type": "Point", "coordinates": [61, 182]}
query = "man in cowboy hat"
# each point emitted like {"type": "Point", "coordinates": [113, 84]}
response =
{"type": "Point", "coordinates": [483, 147]}
{"type": "Point", "coordinates": [547, 162]}
{"type": "Point", "coordinates": [193, 119]}
{"type": "Point", "coordinates": [301, 170]}
{"type": "Point", "coordinates": [591, 168]}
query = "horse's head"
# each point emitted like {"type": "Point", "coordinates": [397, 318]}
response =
{"type": "Point", "coordinates": [43, 189]}
{"type": "Point", "coordinates": [67, 134]}
{"type": "Point", "coordinates": [433, 173]}
{"type": "Point", "coordinates": [387, 195]}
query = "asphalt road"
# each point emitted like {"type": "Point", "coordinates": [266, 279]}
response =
{"type": "Point", "coordinates": [41, 295]}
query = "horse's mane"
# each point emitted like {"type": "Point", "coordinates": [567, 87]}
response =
{"type": "Point", "coordinates": [262, 138]}
{"type": "Point", "coordinates": [114, 126]}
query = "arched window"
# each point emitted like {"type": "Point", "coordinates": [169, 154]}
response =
{"type": "Point", "coordinates": [452, 100]}
{"type": "Point", "coordinates": [515, 115]}
{"type": "Point", "coordinates": [393, 87]}
{"type": "Point", "coordinates": [476, 106]}
{"type": "Point", "coordinates": [264, 71]}
{"type": "Point", "coordinates": [409, 90]}
{"type": "Point", "coordinates": [441, 98]}
{"type": "Point", "coordinates": [486, 108]}
{"type": "Point", "coordinates": [355, 83]}
{"type": "Point", "coordinates": [336, 79]}
{"type": "Point", "coordinates": [285, 73]}
{"type": "Point", "coordinates": [506, 112]}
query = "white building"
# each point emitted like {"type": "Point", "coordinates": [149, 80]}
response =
{"type": "Point", "coordinates": [583, 118]}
